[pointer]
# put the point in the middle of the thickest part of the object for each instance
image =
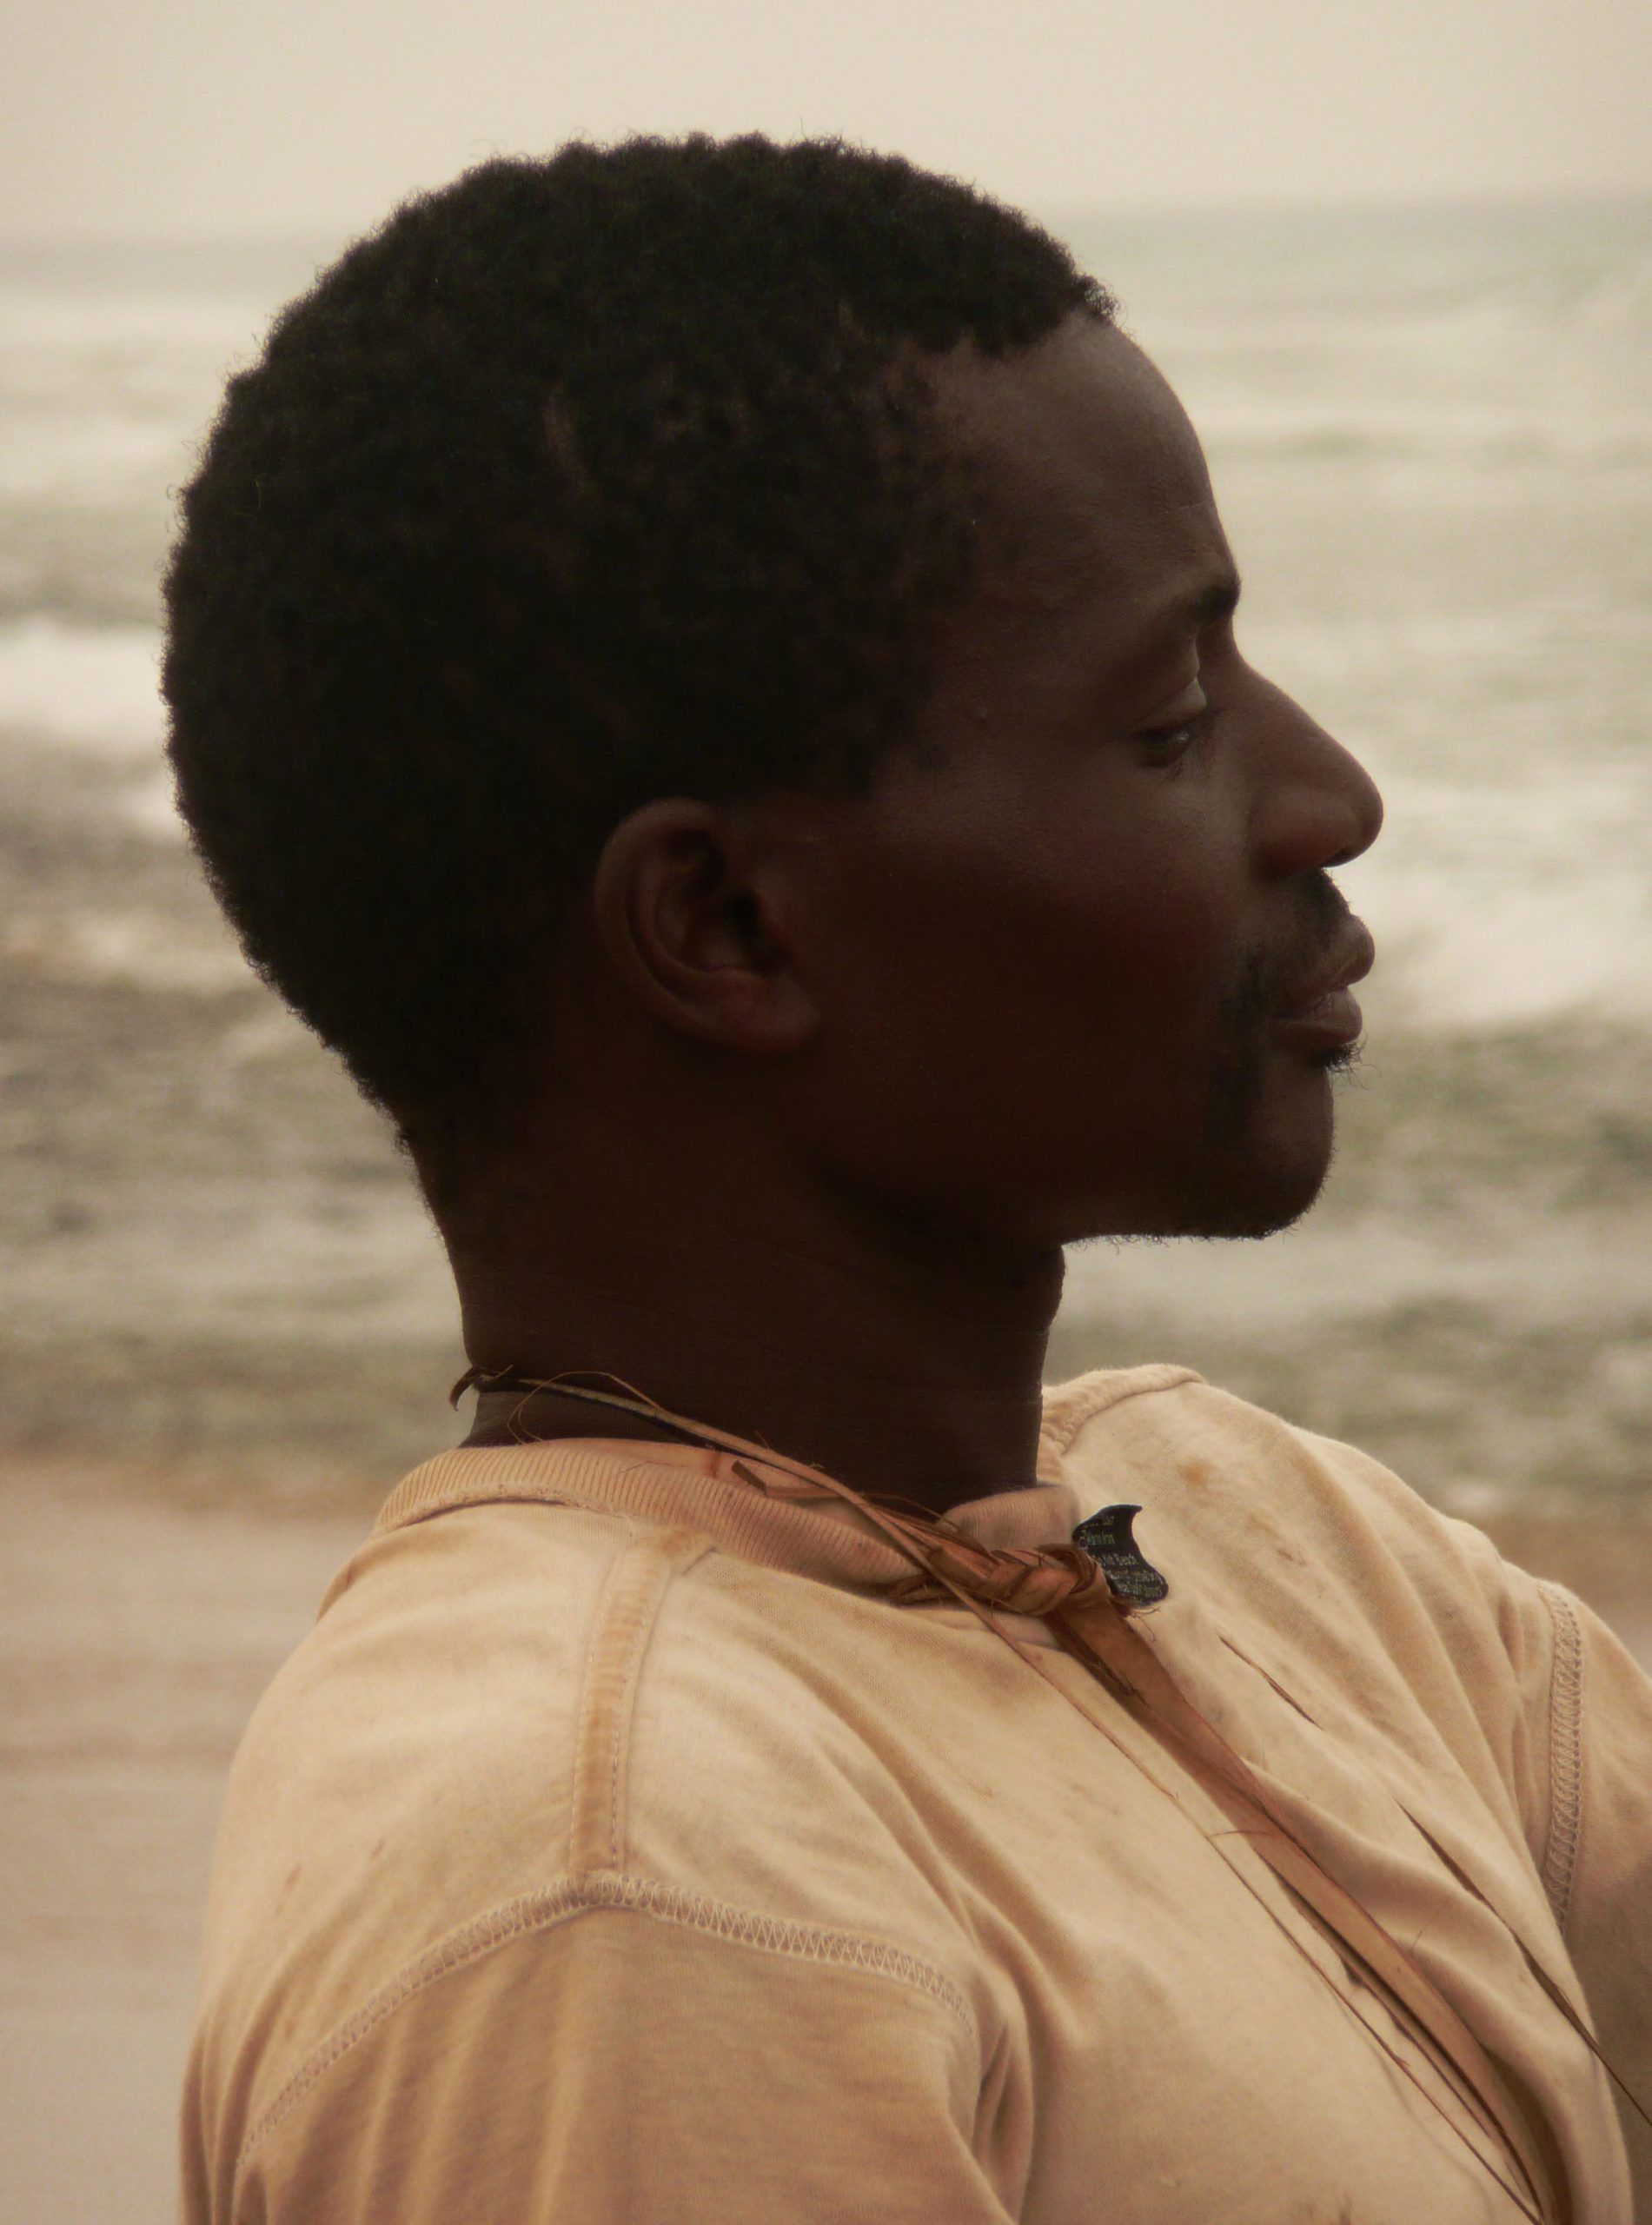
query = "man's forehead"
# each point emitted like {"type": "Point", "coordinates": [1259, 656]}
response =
{"type": "Point", "coordinates": [1084, 473]}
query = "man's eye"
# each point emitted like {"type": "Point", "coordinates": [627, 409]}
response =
{"type": "Point", "coordinates": [1165, 743]}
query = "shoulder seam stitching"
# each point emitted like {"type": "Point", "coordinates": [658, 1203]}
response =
{"type": "Point", "coordinates": [1565, 1753]}
{"type": "Point", "coordinates": [573, 1895]}
{"type": "Point", "coordinates": [627, 1611]}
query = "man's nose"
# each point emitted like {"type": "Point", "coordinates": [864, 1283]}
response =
{"type": "Point", "coordinates": [1321, 808]}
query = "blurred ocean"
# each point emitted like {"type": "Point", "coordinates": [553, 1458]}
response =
{"type": "Point", "coordinates": [1430, 433]}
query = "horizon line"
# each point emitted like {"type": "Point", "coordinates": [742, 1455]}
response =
{"type": "Point", "coordinates": [1048, 209]}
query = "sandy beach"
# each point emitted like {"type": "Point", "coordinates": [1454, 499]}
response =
{"type": "Point", "coordinates": [134, 1638]}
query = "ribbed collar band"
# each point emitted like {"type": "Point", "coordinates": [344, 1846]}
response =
{"type": "Point", "coordinates": [701, 1487]}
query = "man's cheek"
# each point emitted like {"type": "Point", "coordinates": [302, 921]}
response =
{"type": "Point", "coordinates": [1171, 941]}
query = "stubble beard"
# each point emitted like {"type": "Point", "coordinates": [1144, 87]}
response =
{"type": "Point", "coordinates": [1236, 1192]}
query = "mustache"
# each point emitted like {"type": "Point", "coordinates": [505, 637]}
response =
{"type": "Point", "coordinates": [1263, 983]}
{"type": "Point", "coordinates": [1265, 979]}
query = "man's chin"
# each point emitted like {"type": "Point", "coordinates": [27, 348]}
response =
{"type": "Point", "coordinates": [1260, 1192]}
{"type": "Point", "coordinates": [1259, 1166]}
{"type": "Point", "coordinates": [1264, 1204]}
{"type": "Point", "coordinates": [1252, 1218]}
{"type": "Point", "coordinates": [1264, 1178]}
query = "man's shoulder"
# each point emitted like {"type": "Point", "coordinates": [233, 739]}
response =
{"type": "Point", "coordinates": [518, 1714]}
{"type": "Point", "coordinates": [400, 1771]}
{"type": "Point", "coordinates": [1228, 1466]}
{"type": "Point", "coordinates": [1324, 1554]}
{"type": "Point", "coordinates": [476, 1682]}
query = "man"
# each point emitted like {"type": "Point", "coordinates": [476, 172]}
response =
{"type": "Point", "coordinates": [706, 672]}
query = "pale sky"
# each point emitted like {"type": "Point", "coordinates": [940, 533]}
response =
{"type": "Point", "coordinates": [138, 116]}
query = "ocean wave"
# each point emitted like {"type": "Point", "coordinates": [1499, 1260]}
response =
{"type": "Point", "coordinates": [122, 951]}
{"type": "Point", "coordinates": [1463, 951]}
{"type": "Point", "coordinates": [94, 690]}
{"type": "Point", "coordinates": [99, 948]}
{"type": "Point", "coordinates": [94, 453]}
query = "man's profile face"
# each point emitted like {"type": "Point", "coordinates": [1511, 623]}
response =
{"type": "Point", "coordinates": [1052, 948]}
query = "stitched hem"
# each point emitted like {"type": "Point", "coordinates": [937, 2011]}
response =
{"type": "Point", "coordinates": [1565, 1753]}
{"type": "Point", "coordinates": [570, 1896]}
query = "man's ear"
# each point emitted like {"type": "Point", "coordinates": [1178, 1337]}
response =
{"type": "Point", "coordinates": [691, 916]}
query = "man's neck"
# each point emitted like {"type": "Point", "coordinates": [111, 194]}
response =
{"type": "Point", "coordinates": [902, 1374]}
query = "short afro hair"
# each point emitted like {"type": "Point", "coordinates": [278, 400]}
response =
{"type": "Point", "coordinates": [581, 481]}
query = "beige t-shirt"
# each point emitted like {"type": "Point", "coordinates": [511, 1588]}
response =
{"type": "Point", "coordinates": [615, 1848]}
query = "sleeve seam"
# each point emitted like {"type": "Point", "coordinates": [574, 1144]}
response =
{"type": "Point", "coordinates": [577, 1894]}
{"type": "Point", "coordinates": [1565, 1753]}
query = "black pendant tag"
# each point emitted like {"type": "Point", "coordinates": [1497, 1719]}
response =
{"type": "Point", "coordinates": [1105, 1537]}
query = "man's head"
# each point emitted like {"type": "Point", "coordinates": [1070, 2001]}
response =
{"type": "Point", "coordinates": [726, 622]}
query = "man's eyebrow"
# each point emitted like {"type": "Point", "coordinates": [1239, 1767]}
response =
{"type": "Point", "coordinates": [1171, 624]}
{"type": "Point", "coordinates": [1192, 613]}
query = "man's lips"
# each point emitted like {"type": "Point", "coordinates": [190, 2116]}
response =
{"type": "Point", "coordinates": [1325, 1015]}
